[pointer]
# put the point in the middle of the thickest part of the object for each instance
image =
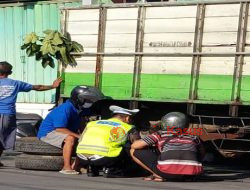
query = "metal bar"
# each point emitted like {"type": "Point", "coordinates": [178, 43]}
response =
{"type": "Point", "coordinates": [243, 123]}
{"type": "Point", "coordinates": [149, 54]}
{"type": "Point", "coordinates": [61, 67]}
{"type": "Point", "coordinates": [156, 4]}
{"type": "Point", "coordinates": [204, 129]}
{"type": "Point", "coordinates": [25, 3]}
{"type": "Point", "coordinates": [138, 58]}
{"type": "Point", "coordinates": [100, 47]}
{"type": "Point", "coordinates": [239, 60]}
{"type": "Point", "coordinates": [247, 140]}
{"type": "Point", "coordinates": [239, 151]}
{"type": "Point", "coordinates": [196, 61]}
{"type": "Point", "coordinates": [219, 117]}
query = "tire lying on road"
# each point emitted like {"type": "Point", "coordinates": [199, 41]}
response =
{"type": "Point", "coordinates": [32, 145]}
{"type": "Point", "coordinates": [39, 162]}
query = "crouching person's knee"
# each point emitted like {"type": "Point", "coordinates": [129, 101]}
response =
{"type": "Point", "coordinates": [70, 140]}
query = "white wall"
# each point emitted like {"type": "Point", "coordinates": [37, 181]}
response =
{"type": "Point", "coordinates": [40, 109]}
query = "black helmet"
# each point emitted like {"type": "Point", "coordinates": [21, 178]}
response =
{"type": "Point", "coordinates": [174, 120]}
{"type": "Point", "coordinates": [84, 96]}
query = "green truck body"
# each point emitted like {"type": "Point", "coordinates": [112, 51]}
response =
{"type": "Point", "coordinates": [189, 52]}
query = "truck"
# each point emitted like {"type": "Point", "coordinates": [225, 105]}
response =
{"type": "Point", "coordinates": [183, 56]}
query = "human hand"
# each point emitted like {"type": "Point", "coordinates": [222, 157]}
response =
{"type": "Point", "coordinates": [57, 82]}
{"type": "Point", "coordinates": [77, 136]}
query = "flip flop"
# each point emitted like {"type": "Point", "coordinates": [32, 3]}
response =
{"type": "Point", "coordinates": [159, 179]}
{"type": "Point", "coordinates": [149, 178]}
{"type": "Point", "coordinates": [153, 178]}
{"type": "Point", "coordinates": [69, 172]}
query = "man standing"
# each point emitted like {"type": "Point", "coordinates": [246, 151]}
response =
{"type": "Point", "coordinates": [101, 144]}
{"type": "Point", "coordinates": [61, 126]}
{"type": "Point", "coordinates": [9, 90]}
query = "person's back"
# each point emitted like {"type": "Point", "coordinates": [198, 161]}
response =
{"type": "Point", "coordinates": [105, 137]}
{"type": "Point", "coordinates": [101, 145]}
{"type": "Point", "coordinates": [65, 115]}
{"type": "Point", "coordinates": [9, 89]}
{"type": "Point", "coordinates": [180, 155]}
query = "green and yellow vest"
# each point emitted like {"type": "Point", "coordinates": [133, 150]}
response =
{"type": "Point", "coordinates": [104, 138]}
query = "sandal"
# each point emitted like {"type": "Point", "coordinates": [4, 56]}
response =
{"type": "Point", "coordinates": [153, 178]}
{"type": "Point", "coordinates": [149, 178]}
{"type": "Point", "coordinates": [69, 172]}
{"type": "Point", "coordinates": [159, 179]}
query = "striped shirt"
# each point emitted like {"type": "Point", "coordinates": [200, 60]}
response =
{"type": "Point", "coordinates": [179, 153]}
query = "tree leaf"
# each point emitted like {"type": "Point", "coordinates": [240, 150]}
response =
{"type": "Point", "coordinates": [48, 31]}
{"type": "Point", "coordinates": [24, 46]}
{"type": "Point", "coordinates": [69, 47]}
{"type": "Point", "coordinates": [51, 63]}
{"type": "Point", "coordinates": [47, 60]}
{"type": "Point", "coordinates": [28, 51]}
{"type": "Point", "coordinates": [30, 38]}
{"type": "Point", "coordinates": [47, 48]}
{"type": "Point", "coordinates": [39, 56]}
{"type": "Point", "coordinates": [65, 60]}
{"type": "Point", "coordinates": [50, 35]}
{"type": "Point", "coordinates": [73, 62]}
{"type": "Point", "coordinates": [77, 47]}
{"type": "Point", "coordinates": [35, 48]}
{"type": "Point", "coordinates": [57, 39]}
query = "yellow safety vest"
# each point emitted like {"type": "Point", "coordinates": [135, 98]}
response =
{"type": "Point", "coordinates": [104, 138]}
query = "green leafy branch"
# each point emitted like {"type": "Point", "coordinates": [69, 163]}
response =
{"type": "Point", "coordinates": [52, 46]}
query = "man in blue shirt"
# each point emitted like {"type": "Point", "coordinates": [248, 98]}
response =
{"type": "Point", "coordinates": [61, 126]}
{"type": "Point", "coordinates": [9, 90]}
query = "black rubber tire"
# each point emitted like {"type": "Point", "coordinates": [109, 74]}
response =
{"type": "Point", "coordinates": [39, 162]}
{"type": "Point", "coordinates": [32, 145]}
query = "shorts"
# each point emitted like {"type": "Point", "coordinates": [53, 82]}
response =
{"type": "Point", "coordinates": [7, 131]}
{"type": "Point", "coordinates": [55, 138]}
{"type": "Point", "coordinates": [149, 157]}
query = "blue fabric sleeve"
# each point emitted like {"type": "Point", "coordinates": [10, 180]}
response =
{"type": "Point", "coordinates": [24, 87]}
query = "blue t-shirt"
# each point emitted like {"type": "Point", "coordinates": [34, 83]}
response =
{"type": "Point", "coordinates": [63, 116]}
{"type": "Point", "coordinates": [9, 89]}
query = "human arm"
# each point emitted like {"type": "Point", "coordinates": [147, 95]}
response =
{"type": "Point", "coordinates": [149, 140]}
{"type": "Point", "coordinates": [55, 84]}
{"type": "Point", "coordinates": [139, 144]}
{"type": "Point", "coordinates": [67, 131]}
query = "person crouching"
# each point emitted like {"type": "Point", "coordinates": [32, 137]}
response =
{"type": "Point", "coordinates": [169, 154]}
{"type": "Point", "coordinates": [101, 145]}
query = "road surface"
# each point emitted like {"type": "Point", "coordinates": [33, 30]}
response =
{"type": "Point", "coordinates": [227, 177]}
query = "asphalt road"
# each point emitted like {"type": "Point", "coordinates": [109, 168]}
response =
{"type": "Point", "coordinates": [220, 177]}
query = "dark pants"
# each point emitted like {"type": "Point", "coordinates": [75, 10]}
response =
{"type": "Point", "coordinates": [7, 131]}
{"type": "Point", "coordinates": [118, 161]}
{"type": "Point", "coordinates": [101, 162]}
{"type": "Point", "coordinates": [149, 157]}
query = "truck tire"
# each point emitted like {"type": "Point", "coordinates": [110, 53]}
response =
{"type": "Point", "coordinates": [39, 162]}
{"type": "Point", "coordinates": [32, 145]}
